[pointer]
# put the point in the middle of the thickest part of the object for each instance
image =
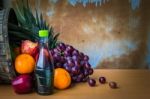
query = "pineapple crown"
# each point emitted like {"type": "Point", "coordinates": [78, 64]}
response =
{"type": "Point", "coordinates": [27, 21]}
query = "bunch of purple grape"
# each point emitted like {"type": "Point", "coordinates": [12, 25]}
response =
{"type": "Point", "coordinates": [75, 62]}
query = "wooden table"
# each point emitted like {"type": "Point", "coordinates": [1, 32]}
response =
{"type": "Point", "coordinates": [133, 84]}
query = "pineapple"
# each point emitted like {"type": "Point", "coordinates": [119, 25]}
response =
{"type": "Point", "coordinates": [29, 25]}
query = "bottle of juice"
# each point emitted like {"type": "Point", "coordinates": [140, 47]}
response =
{"type": "Point", "coordinates": [44, 71]}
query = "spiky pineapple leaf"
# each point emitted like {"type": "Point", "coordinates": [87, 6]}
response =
{"type": "Point", "coordinates": [42, 22]}
{"type": "Point", "coordinates": [20, 17]}
{"type": "Point", "coordinates": [37, 19]}
{"type": "Point", "coordinates": [52, 38]}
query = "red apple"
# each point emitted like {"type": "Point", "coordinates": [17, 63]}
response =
{"type": "Point", "coordinates": [29, 47]}
{"type": "Point", "coordinates": [22, 84]}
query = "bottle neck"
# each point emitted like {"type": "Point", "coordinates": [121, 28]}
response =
{"type": "Point", "coordinates": [43, 40]}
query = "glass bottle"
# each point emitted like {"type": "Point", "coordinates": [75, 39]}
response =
{"type": "Point", "coordinates": [44, 71]}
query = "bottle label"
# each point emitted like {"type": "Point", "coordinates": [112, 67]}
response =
{"type": "Point", "coordinates": [44, 79]}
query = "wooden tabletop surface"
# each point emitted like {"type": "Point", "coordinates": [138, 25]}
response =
{"type": "Point", "coordinates": [133, 84]}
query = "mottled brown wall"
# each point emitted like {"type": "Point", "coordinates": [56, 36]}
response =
{"type": "Point", "coordinates": [113, 34]}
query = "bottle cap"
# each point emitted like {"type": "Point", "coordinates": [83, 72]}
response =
{"type": "Point", "coordinates": [43, 33]}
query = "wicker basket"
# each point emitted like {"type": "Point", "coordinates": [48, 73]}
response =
{"type": "Point", "coordinates": [6, 66]}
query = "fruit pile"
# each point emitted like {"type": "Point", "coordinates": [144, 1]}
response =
{"type": "Point", "coordinates": [24, 65]}
{"type": "Point", "coordinates": [70, 66]}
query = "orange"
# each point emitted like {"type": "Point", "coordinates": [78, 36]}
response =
{"type": "Point", "coordinates": [62, 79]}
{"type": "Point", "coordinates": [24, 63]}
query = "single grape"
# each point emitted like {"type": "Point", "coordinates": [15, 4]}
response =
{"type": "Point", "coordinates": [91, 71]}
{"type": "Point", "coordinates": [65, 65]}
{"type": "Point", "coordinates": [75, 57]}
{"type": "Point", "coordinates": [82, 63]}
{"type": "Point", "coordinates": [75, 52]}
{"type": "Point", "coordinates": [56, 50]}
{"type": "Point", "coordinates": [87, 65]}
{"type": "Point", "coordinates": [86, 72]}
{"type": "Point", "coordinates": [74, 78]}
{"type": "Point", "coordinates": [86, 58]}
{"type": "Point", "coordinates": [70, 48]}
{"type": "Point", "coordinates": [68, 58]}
{"type": "Point", "coordinates": [68, 68]}
{"type": "Point", "coordinates": [85, 79]}
{"type": "Point", "coordinates": [113, 85]}
{"type": "Point", "coordinates": [56, 57]}
{"type": "Point", "coordinates": [77, 63]}
{"type": "Point", "coordinates": [81, 76]}
{"type": "Point", "coordinates": [102, 80]}
{"type": "Point", "coordinates": [67, 53]}
{"type": "Point", "coordinates": [81, 54]}
{"type": "Point", "coordinates": [58, 65]}
{"type": "Point", "coordinates": [62, 59]}
{"type": "Point", "coordinates": [70, 63]}
{"type": "Point", "coordinates": [75, 70]}
{"type": "Point", "coordinates": [91, 82]}
{"type": "Point", "coordinates": [62, 46]}
{"type": "Point", "coordinates": [78, 79]}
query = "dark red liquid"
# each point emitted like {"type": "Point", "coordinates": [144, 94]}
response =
{"type": "Point", "coordinates": [44, 72]}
